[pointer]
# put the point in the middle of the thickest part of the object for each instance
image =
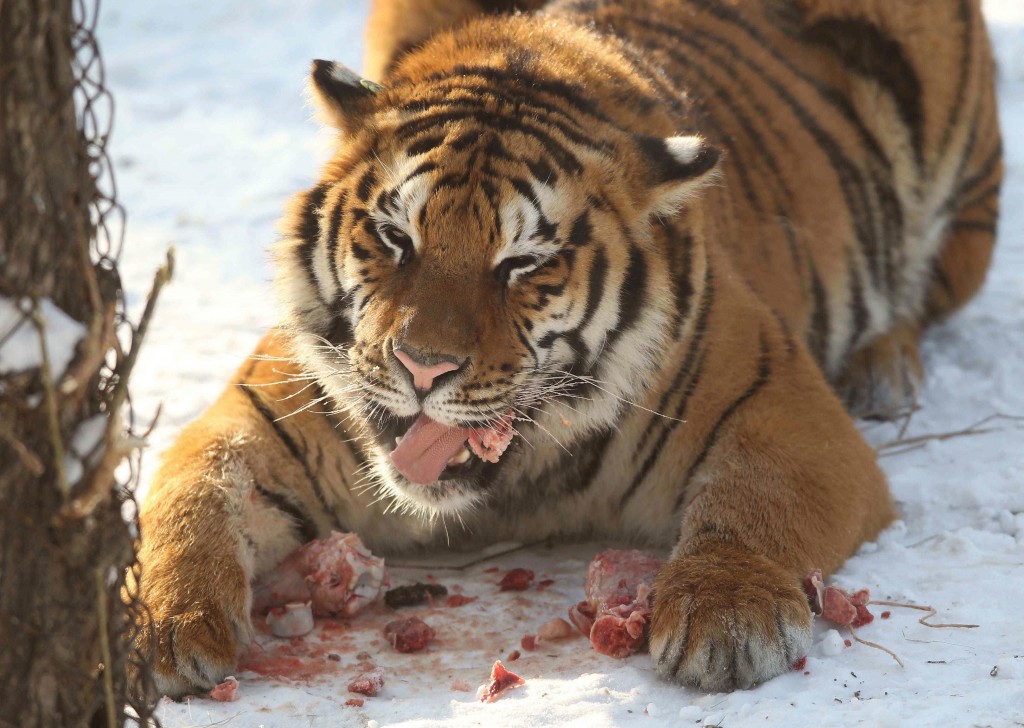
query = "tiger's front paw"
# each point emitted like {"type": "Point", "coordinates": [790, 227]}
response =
{"type": "Point", "coordinates": [726, 618]}
{"type": "Point", "coordinates": [198, 628]}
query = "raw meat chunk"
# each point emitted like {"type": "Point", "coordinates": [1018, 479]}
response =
{"type": "Point", "coordinates": [337, 574]}
{"type": "Point", "coordinates": [368, 683]}
{"type": "Point", "coordinates": [836, 604]}
{"type": "Point", "coordinates": [225, 692]}
{"type": "Point", "coordinates": [516, 580]}
{"type": "Point", "coordinates": [489, 443]}
{"type": "Point", "coordinates": [292, 620]}
{"type": "Point", "coordinates": [617, 605]}
{"type": "Point", "coordinates": [501, 680]}
{"type": "Point", "coordinates": [408, 635]}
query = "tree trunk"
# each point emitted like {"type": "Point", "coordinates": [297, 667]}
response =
{"type": "Point", "coordinates": [64, 545]}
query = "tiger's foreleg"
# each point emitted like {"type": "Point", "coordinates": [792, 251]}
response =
{"type": "Point", "coordinates": [783, 484]}
{"type": "Point", "coordinates": [232, 498]}
{"type": "Point", "coordinates": [198, 557]}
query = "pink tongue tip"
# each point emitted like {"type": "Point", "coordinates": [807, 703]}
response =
{"type": "Point", "coordinates": [426, 448]}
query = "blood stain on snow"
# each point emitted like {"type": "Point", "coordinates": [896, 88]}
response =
{"type": "Point", "coordinates": [458, 600]}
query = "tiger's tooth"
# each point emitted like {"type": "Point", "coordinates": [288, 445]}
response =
{"type": "Point", "coordinates": [398, 439]}
{"type": "Point", "coordinates": [460, 457]}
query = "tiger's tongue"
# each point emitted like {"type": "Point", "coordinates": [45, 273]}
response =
{"type": "Point", "coordinates": [426, 448]}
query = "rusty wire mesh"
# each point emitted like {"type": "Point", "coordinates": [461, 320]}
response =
{"type": "Point", "coordinates": [94, 528]}
{"type": "Point", "coordinates": [94, 106]}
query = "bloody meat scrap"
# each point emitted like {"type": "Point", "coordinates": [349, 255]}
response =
{"type": "Point", "coordinates": [368, 683]}
{"type": "Point", "coordinates": [411, 595]}
{"type": "Point", "coordinates": [836, 604]}
{"type": "Point", "coordinates": [408, 635]}
{"type": "Point", "coordinates": [489, 443]}
{"type": "Point", "coordinates": [501, 680]}
{"type": "Point", "coordinates": [225, 692]}
{"type": "Point", "coordinates": [338, 575]}
{"type": "Point", "coordinates": [618, 601]}
{"type": "Point", "coordinates": [516, 580]}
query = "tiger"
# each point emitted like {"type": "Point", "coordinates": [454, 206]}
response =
{"type": "Point", "coordinates": [597, 269]}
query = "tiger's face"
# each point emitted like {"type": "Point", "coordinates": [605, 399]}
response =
{"type": "Point", "coordinates": [463, 281]}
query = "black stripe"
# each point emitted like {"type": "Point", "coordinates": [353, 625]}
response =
{"type": "Point", "coordinates": [366, 183]}
{"type": "Point", "coordinates": [308, 232]}
{"type": "Point", "coordinates": [333, 232]}
{"type": "Point", "coordinates": [595, 287]}
{"type": "Point", "coordinates": [579, 235]}
{"type": "Point", "coordinates": [819, 333]}
{"type": "Point", "coordinates": [980, 226]}
{"type": "Point", "coordinates": [424, 145]}
{"type": "Point", "coordinates": [424, 168]}
{"type": "Point", "coordinates": [986, 170]}
{"type": "Point", "coordinates": [632, 295]}
{"type": "Point", "coordinates": [296, 453]}
{"type": "Point", "coordinates": [957, 107]}
{"type": "Point", "coordinates": [542, 171]}
{"type": "Point", "coordinates": [860, 316]}
{"type": "Point", "coordinates": [764, 370]}
{"type": "Point", "coordinates": [680, 270]}
{"type": "Point", "coordinates": [279, 501]}
{"type": "Point", "coordinates": [867, 51]}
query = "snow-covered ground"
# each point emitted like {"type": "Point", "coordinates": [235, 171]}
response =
{"type": "Point", "coordinates": [212, 135]}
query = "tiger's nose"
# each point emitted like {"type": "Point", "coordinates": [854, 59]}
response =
{"type": "Point", "coordinates": [425, 369]}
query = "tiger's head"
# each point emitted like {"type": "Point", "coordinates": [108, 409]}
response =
{"type": "Point", "coordinates": [477, 260]}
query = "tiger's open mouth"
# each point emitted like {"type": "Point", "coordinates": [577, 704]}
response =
{"type": "Point", "coordinates": [428, 448]}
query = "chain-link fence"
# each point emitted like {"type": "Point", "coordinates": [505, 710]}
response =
{"type": "Point", "coordinates": [70, 606]}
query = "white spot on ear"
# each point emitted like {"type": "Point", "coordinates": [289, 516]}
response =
{"type": "Point", "coordinates": [342, 73]}
{"type": "Point", "coordinates": [684, 148]}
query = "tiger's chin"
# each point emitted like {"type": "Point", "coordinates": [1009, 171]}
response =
{"type": "Point", "coordinates": [450, 495]}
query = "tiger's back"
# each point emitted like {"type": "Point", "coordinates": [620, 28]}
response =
{"type": "Point", "coordinates": [668, 336]}
{"type": "Point", "coordinates": [862, 150]}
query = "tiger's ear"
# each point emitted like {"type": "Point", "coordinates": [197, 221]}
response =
{"type": "Point", "coordinates": [341, 95]}
{"type": "Point", "coordinates": [675, 168]}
